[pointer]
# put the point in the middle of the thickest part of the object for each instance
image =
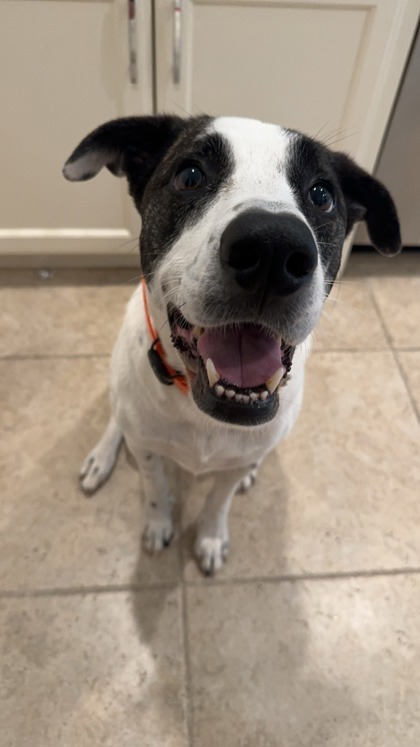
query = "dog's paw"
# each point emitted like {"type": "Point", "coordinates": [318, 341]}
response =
{"type": "Point", "coordinates": [157, 533]}
{"type": "Point", "coordinates": [248, 481]}
{"type": "Point", "coordinates": [96, 469]}
{"type": "Point", "coordinates": [211, 553]}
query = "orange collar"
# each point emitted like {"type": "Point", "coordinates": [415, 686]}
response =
{"type": "Point", "coordinates": [164, 372]}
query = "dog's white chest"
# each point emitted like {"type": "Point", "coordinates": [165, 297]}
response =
{"type": "Point", "coordinates": [196, 447]}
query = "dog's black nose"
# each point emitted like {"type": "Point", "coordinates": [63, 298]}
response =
{"type": "Point", "coordinates": [268, 253]}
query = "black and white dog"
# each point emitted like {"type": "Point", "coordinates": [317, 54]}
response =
{"type": "Point", "coordinates": [243, 225]}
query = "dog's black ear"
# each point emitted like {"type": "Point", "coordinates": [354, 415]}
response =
{"type": "Point", "coordinates": [368, 200]}
{"type": "Point", "coordinates": [119, 143]}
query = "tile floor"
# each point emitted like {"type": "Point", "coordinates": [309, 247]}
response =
{"type": "Point", "coordinates": [310, 635]}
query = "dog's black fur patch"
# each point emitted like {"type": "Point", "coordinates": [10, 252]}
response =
{"type": "Point", "coordinates": [368, 200]}
{"type": "Point", "coordinates": [148, 151]}
{"type": "Point", "coordinates": [358, 196]}
{"type": "Point", "coordinates": [309, 163]}
{"type": "Point", "coordinates": [130, 146]}
{"type": "Point", "coordinates": [167, 212]}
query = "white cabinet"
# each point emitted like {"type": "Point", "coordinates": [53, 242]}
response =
{"type": "Point", "coordinates": [63, 71]}
{"type": "Point", "coordinates": [329, 68]}
{"type": "Point", "coordinates": [324, 68]}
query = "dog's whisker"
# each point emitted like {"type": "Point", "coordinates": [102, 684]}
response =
{"type": "Point", "coordinates": [187, 114]}
{"type": "Point", "coordinates": [131, 280]}
{"type": "Point", "coordinates": [346, 281]}
{"type": "Point", "coordinates": [316, 136]}
{"type": "Point", "coordinates": [167, 320]}
{"type": "Point", "coordinates": [133, 249]}
{"type": "Point", "coordinates": [126, 243]}
{"type": "Point", "coordinates": [365, 315]}
{"type": "Point", "coordinates": [349, 305]}
{"type": "Point", "coordinates": [341, 139]}
{"type": "Point", "coordinates": [337, 135]}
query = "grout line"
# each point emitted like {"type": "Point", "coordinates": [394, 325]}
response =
{"type": "Point", "coordinates": [383, 349]}
{"type": "Point", "coordinates": [214, 581]}
{"type": "Point", "coordinates": [296, 578]}
{"type": "Point", "coordinates": [189, 704]}
{"type": "Point", "coordinates": [187, 660]}
{"type": "Point", "coordinates": [406, 349]}
{"type": "Point", "coordinates": [394, 353]}
{"type": "Point", "coordinates": [84, 590]}
{"type": "Point", "coordinates": [407, 384]}
{"type": "Point", "coordinates": [52, 356]}
{"type": "Point", "coordinates": [322, 351]}
{"type": "Point", "coordinates": [315, 351]}
{"type": "Point", "coordinates": [78, 356]}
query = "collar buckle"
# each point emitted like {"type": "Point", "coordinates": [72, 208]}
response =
{"type": "Point", "coordinates": [156, 354]}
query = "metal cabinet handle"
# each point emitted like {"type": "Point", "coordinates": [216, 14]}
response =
{"type": "Point", "coordinates": [176, 64]}
{"type": "Point", "coordinates": [132, 39]}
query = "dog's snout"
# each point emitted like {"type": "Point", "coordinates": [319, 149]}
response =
{"type": "Point", "coordinates": [268, 253]}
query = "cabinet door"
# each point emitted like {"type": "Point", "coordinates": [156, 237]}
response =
{"type": "Point", "coordinates": [63, 71]}
{"type": "Point", "coordinates": [398, 166]}
{"type": "Point", "coordinates": [329, 69]}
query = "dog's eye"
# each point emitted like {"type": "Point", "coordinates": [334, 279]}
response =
{"type": "Point", "coordinates": [188, 179]}
{"type": "Point", "coordinates": [321, 197]}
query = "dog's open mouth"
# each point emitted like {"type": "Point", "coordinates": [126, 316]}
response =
{"type": "Point", "coordinates": [235, 371]}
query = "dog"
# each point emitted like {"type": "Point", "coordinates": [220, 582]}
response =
{"type": "Point", "coordinates": [243, 225]}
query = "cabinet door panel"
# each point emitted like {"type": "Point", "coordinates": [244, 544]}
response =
{"type": "Point", "coordinates": [328, 68]}
{"type": "Point", "coordinates": [63, 71]}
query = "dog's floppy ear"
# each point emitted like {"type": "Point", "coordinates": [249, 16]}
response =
{"type": "Point", "coordinates": [368, 200]}
{"type": "Point", "coordinates": [119, 143]}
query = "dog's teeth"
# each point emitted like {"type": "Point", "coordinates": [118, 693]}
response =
{"type": "Point", "coordinates": [230, 393]}
{"type": "Point", "coordinates": [238, 397]}
{"type": "Point", "coordinates": [274, 380]}
{"type": "Point", "coordinates": [212, 374]}
{"type": "Point", "coordinates": [264, 396]}
{"type": "Point", "coordinates": [245, 399]}
{"type": "Point", "coordinates": [254, 396]}
{"type": "Point", "coordinates": [197, 331]}
{"type": "Point", "coordinates": [219, 389]}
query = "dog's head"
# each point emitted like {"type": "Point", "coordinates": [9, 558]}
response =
{"type": "Point", "coordinates": [243, 226]}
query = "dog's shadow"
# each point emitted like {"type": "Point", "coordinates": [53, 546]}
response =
{"type": "Point", "coordinates": [291, 674]}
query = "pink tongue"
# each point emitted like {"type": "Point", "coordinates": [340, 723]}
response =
{"type": "Point", "coordinates": [246, 357]}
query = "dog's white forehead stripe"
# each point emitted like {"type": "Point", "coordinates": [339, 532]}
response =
{"type": "Point", "coordinates": [260, 153]}
{"type": "Point", "coordinates": [249, 136]}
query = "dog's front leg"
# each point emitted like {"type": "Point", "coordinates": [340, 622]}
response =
{"type": "Point", "coordinates": [158, 525]}
{"type": "Point", "coordinates": [212, 543]}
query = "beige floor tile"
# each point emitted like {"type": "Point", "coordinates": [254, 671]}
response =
{"type": "Point", "coordinates": [61, 320]}
{"type": "Point", "coordinates": [52, 413]}
{"type": "Point", "coordinates": [317, 664]}
{"type": "Point", "coordinates": [24, 278]}
{"type": "Point", "coordinates": [92, 671]}
{"type": "Point", "coordinates": [411, 366]}
{"type": "Point", "coordinates": [372, 264]}
{"type": "Point", "coordinates": [341, 493]}
{"type": "Point", "coordinates": [398, 299]}
{"type": "Point", "coordinates": [349, 318]}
